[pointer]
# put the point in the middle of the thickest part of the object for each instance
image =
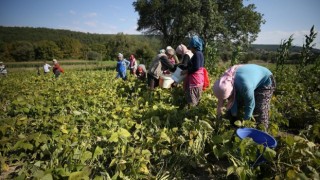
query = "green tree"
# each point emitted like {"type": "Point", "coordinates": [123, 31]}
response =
{"type": "Point", "coordinates": [70, 47]}
{"type": "Point", "coordinates": [45, 50]}
{"type": "Point", "coordinates": [22, 51]}
{"type": "Point", "coordinates": [98, 51]}
{"type": "Point", "coordinates": [4, 52]}
{"type": "Point", "coordinates": [225, 20]}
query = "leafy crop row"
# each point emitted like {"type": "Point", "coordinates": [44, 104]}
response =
{"type": "Point", "coordinates": [86, 124]}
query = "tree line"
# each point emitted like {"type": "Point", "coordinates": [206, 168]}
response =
{"type": "Point", "coordinates": [28, 44]}
{"type": "Point", "coordinates": [227, 24]}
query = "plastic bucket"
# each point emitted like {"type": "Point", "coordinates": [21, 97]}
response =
{"type": "Point", "coordinates": [176, 76]}
{"type": "Point", "coordinates": [165, 81]}
{"type": "Point", "coordinates": [259, 137]}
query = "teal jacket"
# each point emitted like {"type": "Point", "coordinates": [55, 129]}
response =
{"type": "Point", "coordinates": [248, 78]}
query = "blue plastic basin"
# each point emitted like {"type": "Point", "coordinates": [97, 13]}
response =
{"type": "Point", "coordinates": [257, 136]}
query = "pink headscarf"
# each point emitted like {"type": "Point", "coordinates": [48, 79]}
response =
{"type": "Point", "coordinates": [223, 88]}
{"type": "Point", "coordinates": [182, 49]}
{"type": "Point", "coordinates": [132, 60]}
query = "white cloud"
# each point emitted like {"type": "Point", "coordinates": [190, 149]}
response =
{"type": "Point", "coordinates": [75, 22]}
{"type": "Point", "coordinates": [132, 30]}
{"type": "Point", "coordinates": [91, 23]}
{"type": "Point", "coordinates": [90, 15]}
{"type": "Point", "coordinates": [72, 12]}
{"type": "Point", "coordinates": [275, 37]}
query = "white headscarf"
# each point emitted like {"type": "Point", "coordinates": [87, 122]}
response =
{"type": "Point", "coordinates": [182, 49]}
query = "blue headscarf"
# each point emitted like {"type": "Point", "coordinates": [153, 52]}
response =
{"type": "Point", "coordinates": [196, 42]}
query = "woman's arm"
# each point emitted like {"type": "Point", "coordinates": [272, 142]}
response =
{"type": "Point", "coordinates": [195, 62]}
{"type": "Point", "coordinates": [166, 63]}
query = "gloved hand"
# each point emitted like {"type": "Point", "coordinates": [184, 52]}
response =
{"type": "Point", "coordinates": [174, 67]}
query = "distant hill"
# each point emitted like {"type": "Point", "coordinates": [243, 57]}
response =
{"type": "Point", "coordinates": [274, 47]}
{"type": "Point", "coordinates": [11, 34]}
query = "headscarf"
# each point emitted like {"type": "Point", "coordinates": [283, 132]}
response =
{"type": "Point", "coordinates": [132, 60]}
{"type": "Point", "coordinates": [170, 50]}
{"type": "Point", "coordinates": [196, 42]}
{"type": "Point", "coordinates": [132, 57]}
{"type": "Point", "coordinates": [223, 88]}
{"type": "Point", "coordinates": [162, 51]}
{"type": "Point", "coordinates": [120, 55]}
{"type": "Point", "coordinates": [182, 49]}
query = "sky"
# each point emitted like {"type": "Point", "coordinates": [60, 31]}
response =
{"type": "Point", "coordinates": [283, 17]}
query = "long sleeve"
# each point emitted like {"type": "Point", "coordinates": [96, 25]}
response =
{"type": "Point", "coordinates": [249, 103]}
{"type": "Point", "coordinates": [118, 66]}
{"type": "Point", "coordinates": [185, 61]}
{"type": "Point", "coordinates": [166, 64]}
{"type": "Point", "coordinates": [196, 62]}
{"type": "Point", "coordinates": [248, 78]}
{"type": "Point", "coordinates": [127, 63]}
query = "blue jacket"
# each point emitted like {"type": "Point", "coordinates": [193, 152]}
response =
{"type": "Point", "coordinates": [248, 78]}
{"type": "Point", "coordinates": [122, 65]}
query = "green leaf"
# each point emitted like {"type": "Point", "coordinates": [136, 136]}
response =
{"type": "Point", "coordinates": [113, 162]}
{"type": "Point", "coordinates": [311, 144]}
{"type": "Point", "coordinates": [289, 140]}
{"type": "Point", "coordinates": [78, 175]}
{"type": "Point", "coordinates": [23, 118]}
{"type": "Point", "coordinates": [47, 177]}
{"type": "Point", "coordinates": [85, 156]}
{"type": "Point", "coordinates": [291, 174]}
{"type": "Point", "coordinates": [38, 174]}
{"type": "Point", "coordinates": [154, 107]}
{"type": "Point", "coordinates": [241, 172]}
{"type": "Point", "coordinates": [269, 154]}
{"type": "Point", "coordinates": [83, 175]}
{"type": "Point", "coordinates": [77, 113]}
{"type": "Point", "coordinates": [114, 137]}
{"type": "Point", "coordinates": [238, 123]}
{"type": "Point", "coordinates": [164, 136]}
{"type": "Point", "coordinates": [123, 133]}
{"type": "Point", "coordinates": [146, 153]}
{"type": "Point", "coordinates": [206, 125]}
{"type": "Point", "coordinates": [144, 169]}
{"type": "Point", "coordinates": [217, 139]}
{"type": "Point", "coordinates": [21, 136]}
{"type": "Point", "coordinates": [97, 152]}
{"type": "Point", "coordinates": [63, 129]}
{"type": "Point", "coordinates": [27, 146]}
{"type": "Point", "coordinates": [38, 163]}
{"type": "Point", "coordinates": [231, 170]}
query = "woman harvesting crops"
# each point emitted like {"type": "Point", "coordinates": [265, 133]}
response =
{"type": "Point", "coordinates": [249, 84]}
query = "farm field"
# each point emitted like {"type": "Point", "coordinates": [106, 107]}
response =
{"type": "Point", "coordinates": [88, 125]}
{"type": "Point", "coordinates": [66, 64]}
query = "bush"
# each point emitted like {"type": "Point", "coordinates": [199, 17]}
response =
{"type": "Point", "coordinates": [92, 55]}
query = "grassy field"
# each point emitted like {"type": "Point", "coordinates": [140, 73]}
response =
{"type": "Point", "coordinates": [85, 64]}
{"type": "Point", "coordinates": [65, 64]}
